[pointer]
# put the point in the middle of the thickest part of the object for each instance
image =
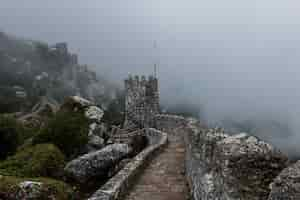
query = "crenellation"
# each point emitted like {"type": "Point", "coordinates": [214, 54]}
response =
{"type": "Point", "coordinates": [141, 101]}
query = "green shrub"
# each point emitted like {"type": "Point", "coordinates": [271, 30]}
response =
{"type": "Point", "coordinates": [67, 130]}
{"type": "Point", "coordinates": [51, 189]}
{"type": "Point", "coordinates": [35, 161]}
{"type": "Point", "coordinates": [114, 114]}
{"type": "Point", "coordinates": [10, 136]}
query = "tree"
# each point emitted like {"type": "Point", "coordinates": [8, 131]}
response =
{"type": "Point", "coordinates": [10, 136]}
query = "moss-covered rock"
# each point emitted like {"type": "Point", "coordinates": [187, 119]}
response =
{"type": "Point", "coordinates": [67, 130]}
{"type": "Point", "coordinates": [36, 161]}
{"type": "Point", "coordinates": [10, 136]}
{"type": "Point", "coordinates": [13, 188]}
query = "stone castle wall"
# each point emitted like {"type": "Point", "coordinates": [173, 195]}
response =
{"type": "Point", "coordinates": [223, 167]}
{"type": "Point", "coordinates": [218, 166]}
{"type": "Point", "coordinates": [232, 167]}
{"type": "Point", "coordinates": [119, 185]}
{"type": "Point", "coordinates": [167, 123]}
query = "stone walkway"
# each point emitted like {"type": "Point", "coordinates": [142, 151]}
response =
{"type": "Point", "coordinates": [163, 179]}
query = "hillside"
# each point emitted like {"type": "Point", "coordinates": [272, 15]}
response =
{"type": "Point", "coordinates": [31, 69]}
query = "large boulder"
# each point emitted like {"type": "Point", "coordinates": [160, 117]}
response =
{"type": "Point", "coordinates": [224, 167]}
{"type": "Point", "coordinates": [93, 114]}
{"type": "Point", "coordinates": [95, 143]}
{"type": "Point", "coordinates": [40, 113]}
{"type": "Point", "coordinates": [79, 104]}
{"type": "Point", "coordinates": [286, 185]}
{"type": "Point", "coordinates": [98, 163]}
{"type": "Point", "coordinates": [68, 131]}
{"type": "Point", "coordinates": [74, 128]}
{"type": "Point", "coordinates": [245, 166]}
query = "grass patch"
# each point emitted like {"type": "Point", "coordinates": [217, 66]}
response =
{"type": "Point", "coordinates": [51, 189]}
{"type": "Point", "coordinates": [67, 130]}
{"type": "Point", "coordinates": [36, 161]}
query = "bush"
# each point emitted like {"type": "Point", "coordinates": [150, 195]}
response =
{"type": "Point", "coordinates": [50, 189]}
{"type": "Point", "coordinates": [114, 114]}
{"type": "Point", "coordinates": [35, 161]}
{"type": "Point", "coordinates": [10, 136]}
{"type": "Point", "coordinates": [67, 130]}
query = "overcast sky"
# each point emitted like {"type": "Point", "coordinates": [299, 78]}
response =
{"type": "Point", "coordinates": [237, 58]}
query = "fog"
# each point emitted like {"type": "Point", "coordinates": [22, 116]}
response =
{"type": "Point", "coordinates": [238, 59]}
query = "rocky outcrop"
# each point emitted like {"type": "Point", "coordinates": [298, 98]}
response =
{"type": "Point", "coordinates": [98, 163]}
{"type": "Point", "coordinates": [40, 113]}
{"type": "Point", "coordinates": [226, 167]}
{"type": "Point", "coordinates": [286, 186]}
{"type": "Point", "coordinates": [30, 190]}
{"type": "Point", "coordinates": [247, 165]}
{"type": "Point", "coordinates": [119, 184]}
{"type": "Point", "coordinates": [94, 115]}
{"type": "Point", "coordinates": [76, 103]}
{"type": "Point", "coordinates": [14, 188]}
{"type": "Point", "coordinates": [95, 142]}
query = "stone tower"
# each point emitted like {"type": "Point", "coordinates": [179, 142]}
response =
{"type": "Point", "coordinates": [141, 101]}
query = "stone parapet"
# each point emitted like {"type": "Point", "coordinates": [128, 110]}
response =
{"type": "Point", "coordinates": [166, 122]}
{"type": "Point", "coordinates": [118, 185]}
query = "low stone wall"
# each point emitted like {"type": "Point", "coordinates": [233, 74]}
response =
{"type": "Point", "coordinates": [223, 167]}
{"type": "Point", "coordinates": [166, 122]}
{"type": "Point", "coordinates": [117, 186]}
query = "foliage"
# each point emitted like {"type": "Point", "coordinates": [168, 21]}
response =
{"type": "Point", "coordinates": [67, 130]}
{"type": "Point", "coordinates": [10, 105]}
{"type": "Point", "coordinates": [10, 136]}
{"type": "Point", "coordinates": [34, 161]}
{"type": "Point", "coordinates": [114, 114]}
{"type": "Point", "coordinates": [51, 189]}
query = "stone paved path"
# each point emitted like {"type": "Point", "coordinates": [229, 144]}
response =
{"type": "Point", "coordinates": [163, 178]}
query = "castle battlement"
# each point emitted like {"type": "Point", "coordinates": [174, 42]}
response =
{"type": "Point", "coordinates": [141, 100]}
{"type": "Point", "coordinates": [141, 81]}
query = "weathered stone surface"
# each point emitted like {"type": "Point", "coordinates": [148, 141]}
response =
{"type": "Point", "coordinates": [238, 167]}
{"type": "Point", "coordinates": [40, 113]}
{"type": "Point", "coordinates": [286, 186]}
{"type": "Point", "coordinates": [75, 103]}
{"type": "Point", "coordinates": [141, 101]}
{"type": "Point", "coordinates": [118, 185]}
{"type": "Point", "coordinates": [81, 101]}
{"type": "Point", "coordinates": [167, 122]}
{"type": "Point", "coordinates": [15, 188]}
{"type": "Point", "coordinates": [247, 166]}
{"type": "Point", "coordinates": [200, 146]}
{"type": "Point", "coordinates": [94, 113]}
{"type": "Point", "coordinates": [95, 143]}
{"type": "Point", "coordinates": [97, 163]}
{"type": "Point", "coordinates": [30, 190]}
